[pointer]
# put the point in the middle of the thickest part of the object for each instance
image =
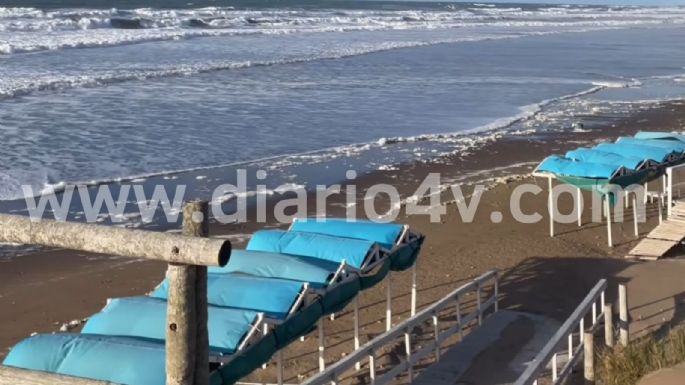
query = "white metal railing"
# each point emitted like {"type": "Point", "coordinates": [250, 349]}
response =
{"type": "Point", "coordinates": [549, 353]}
{"type": "Point", "coordinates": [404, 330]}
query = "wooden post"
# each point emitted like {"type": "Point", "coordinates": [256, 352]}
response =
{"type": "Point", "coordinates": [181, 332]}
{"type": "Point", "coordinates": [589, 357]}
{"type": "Point", "coordinates": [187, 341]}
{"type": "Point", "coordinates": [623, 313]}
{"type": "Point", "coordinates": [608, 325]}
{"type": "Point", "coordinates": [196, 224]}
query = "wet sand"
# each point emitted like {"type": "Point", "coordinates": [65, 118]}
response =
{"type": "Point", "coordinates": [543, 275]}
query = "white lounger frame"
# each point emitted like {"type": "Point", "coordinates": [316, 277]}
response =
{"type": "Point", "coordinates": [261, 322]}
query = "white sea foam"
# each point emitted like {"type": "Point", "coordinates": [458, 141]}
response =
{"type": "Point", "coordinates": [28, 29]}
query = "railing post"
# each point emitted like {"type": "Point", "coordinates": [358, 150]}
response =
{"type": "Point", "coordinates": [461, 327]}
{"type": "Point", "coordinates": [407, 348]}
{"type": "Point", "coordinates": [589, 357]}
{"type": "Point", "coordinates": [623, 313]}
{"type": "Point", "coordinates": [196, 224]}
{"type": "Point", "coordinates": [436, 331]}
{"type": "Point", "coordinates": [413, 290]}
{"type": "Point", "coordinates": [496, 292]}
{"type": "Point", "coordinates": [479, 302]}
{"type": "Point", "coordinates": [608, 326]}
{"type": "Point", "coordinates": [372, 368]}
{"type": "Point", "coordinates": [357, 365]}
{"type": "Point", "coordinates": [388, 304]}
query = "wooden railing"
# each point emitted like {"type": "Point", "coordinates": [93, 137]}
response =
{"type": "Point", "coordinates": [188, 255]}
{"type": "Point", "coordinates": [405, 331]}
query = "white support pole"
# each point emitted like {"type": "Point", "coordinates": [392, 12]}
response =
{"type": "Point", "coordinates": [265, 331]}
{"type": "Point", "coordinates": [661, 209]}
{"type": "Point", "coordinates": [579, 198]}
{"type": "Point", "coordinates": [637, 231]}
{"type": "Point", "coordinates": [646, 192]}
{"type": "Point", "coordinates": [625, 199]}
{"type": "Point", "coordinates": [322, 361]}
{"type": "Point", "coordinates": [607, 206]}
{"type": "Point", "coordinates": [550, 203]}
{"type": "Point", "coordinates": [669, 190]}
{"type": "Point", "coordinates": [357, 365]}
{"type": "Point", "coordinates": [554, 367]}
{"type": "Point", "coordinates": [279, 366]}
{"type": "Point", "coordinates": [388, 304]}
{"type": "Point", "coordinates": [570, 346]}
{"type": "Point", "coordinates": [413, 290]}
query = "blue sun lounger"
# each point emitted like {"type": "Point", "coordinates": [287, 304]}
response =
{"type": "Point", "coordinates": [276, 298]}
{"type": "Point", "coordinates": [138, 361]}
{"type": "Point", "coordinates": [401, 244]}
{"type": "Point", "coordinates": [365, 258]}
{"type": "Point", "coordinates": [145, 317]}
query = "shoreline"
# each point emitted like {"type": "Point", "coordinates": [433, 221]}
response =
{"type": "Point", "coordinates": [47, 289]}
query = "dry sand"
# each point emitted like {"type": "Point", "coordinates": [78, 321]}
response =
{"type": "Point", "coordinates": [541, 275]}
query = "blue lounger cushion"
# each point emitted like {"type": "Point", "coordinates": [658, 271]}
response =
{"type": "Point", "coordinates": [385, 234]}
{"type": "Point", "coordinates": [567, 167]}
{"type": "Point", "coordinates": [120, 360]}
{"type": "Point", "coordinates": [316, 272]}
{"type": "Point", "coordinates": [145, 317]}
{"type": "Point", "coordinates": [324, 247]}
{"type": "Point", "coordinates": [272, 296]}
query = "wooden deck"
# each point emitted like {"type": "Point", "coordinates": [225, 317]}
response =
{"type": "Point", "coordinates": [664, 237]}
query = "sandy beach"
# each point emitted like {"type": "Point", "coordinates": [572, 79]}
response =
{"type": "Point", "coordinates": [45, 291]}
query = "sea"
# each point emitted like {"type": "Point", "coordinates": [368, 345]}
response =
{"type": "Point", "coordinates": [96, 92]}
